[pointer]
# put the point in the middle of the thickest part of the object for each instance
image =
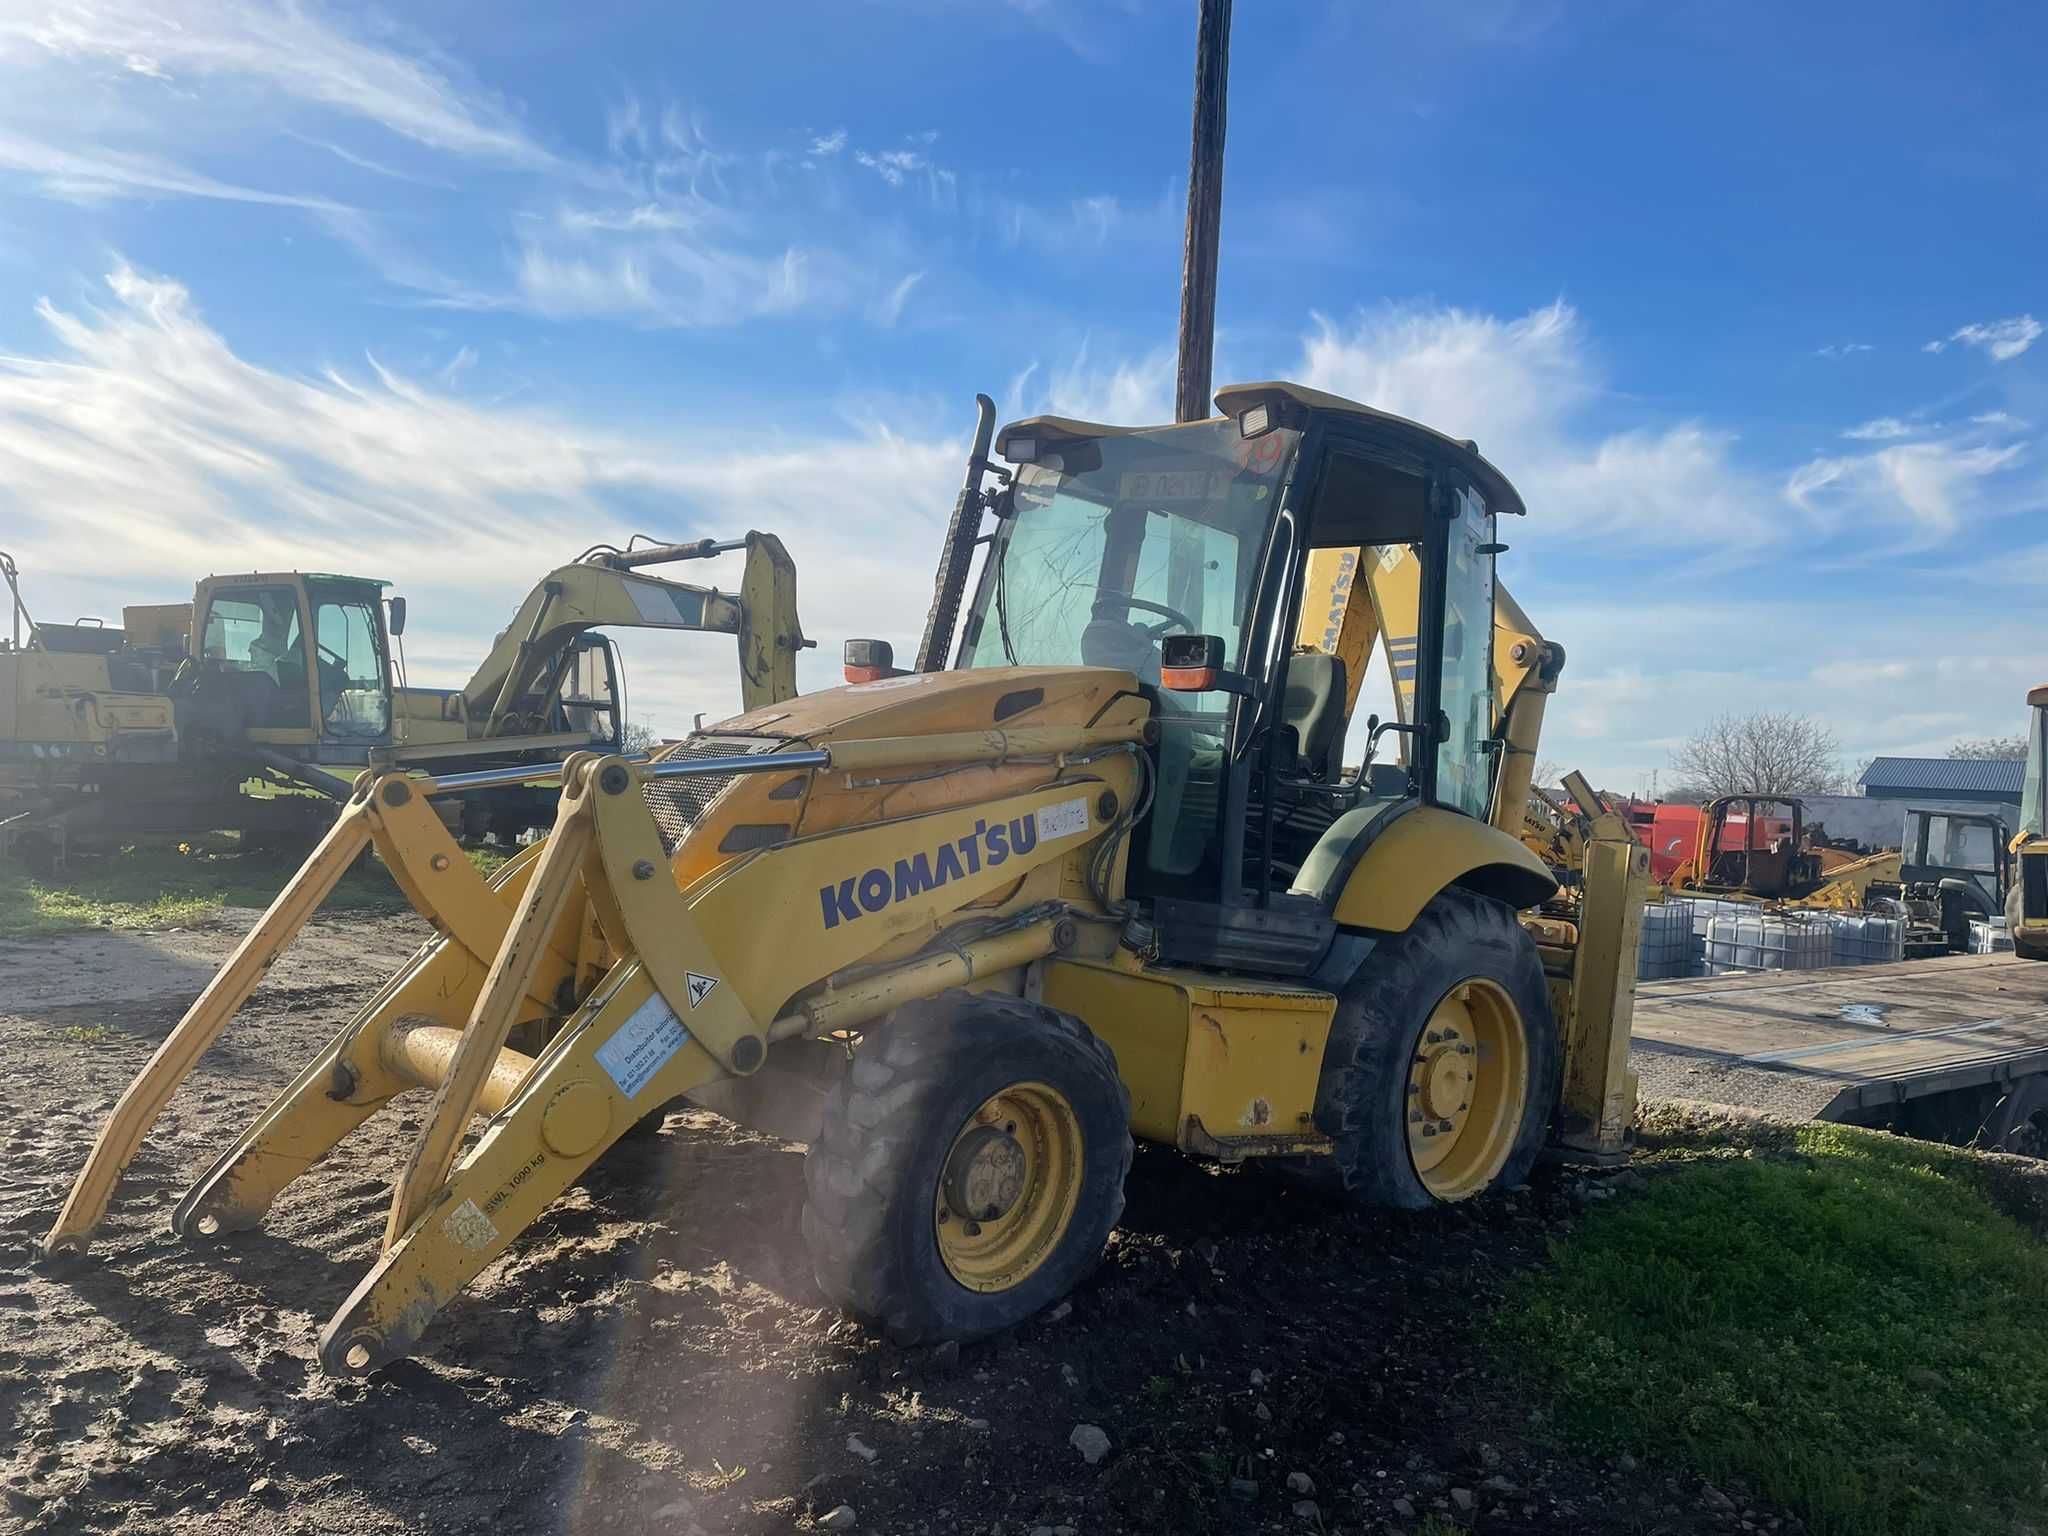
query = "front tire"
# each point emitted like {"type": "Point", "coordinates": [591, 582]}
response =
{"type": "Point", "coordinates": [969, 1169]}
{"type": "Point", "coordinates": [2018, 1123]}
{"type": "Point", "coordinates": [1442, 1067]}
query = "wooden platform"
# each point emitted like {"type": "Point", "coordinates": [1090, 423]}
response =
{"type": "Point", "coordinates": [1836, 1044]}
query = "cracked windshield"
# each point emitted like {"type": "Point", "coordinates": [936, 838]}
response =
{"type": "Point", "coordinates": [1120, 541]}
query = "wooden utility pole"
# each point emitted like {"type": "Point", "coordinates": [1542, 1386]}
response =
{"type": "Point", "coordinates": [1205, 214]}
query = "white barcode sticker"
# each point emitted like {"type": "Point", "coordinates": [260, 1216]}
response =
{"type": "Point", "coordinates": [1062, 820]}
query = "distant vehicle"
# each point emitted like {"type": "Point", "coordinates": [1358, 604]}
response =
{"type": "Point", "coordinates": [289, 679]}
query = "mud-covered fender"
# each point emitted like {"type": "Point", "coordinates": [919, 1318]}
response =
{"type": "Point", "coordinates": [1390, 869]}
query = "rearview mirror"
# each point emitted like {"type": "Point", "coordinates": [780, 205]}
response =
{"type": "Point", "coordinates": [397, 606]}
{"type": "Point", "coordinates": [869, 661]}
{"type": "Point", "coordinates": [1194, 664]}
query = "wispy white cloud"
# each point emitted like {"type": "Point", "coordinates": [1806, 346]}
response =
{"type": "Point", "coordinates": [1524, 388]}
{"type": "Point", "coordinates": [894, 166]}
{"type": "Point", "coordinates": [890, 309]}
{"type": "Point", "coordinates": [287, 48]}
{"type": "Point", "coordinates": [911, 163]}
{"type": "Point", "coordinates": [348, 156]}
{"type": "Point", "coordinates": [2003, 340]}
{"type": "Point", "coordinates": [1127, 391]}
{"type": "Point", "coordinates": [140, 451]}
{"type": "Point", "coordinates": [101, 174]}
{"type": "Point", "coordinates": [664, 282]}
{"type": "Point", "coordinates": [1842, 349]}
{"type": "Point", "coordinates": [1925, 488]}
{"type": "Point", "coordinates": [1880, 429]}
{"type": "Point", "coordinates": [829, 143]}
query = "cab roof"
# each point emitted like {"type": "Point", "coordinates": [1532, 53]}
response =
{"type": "Point", "coordinates": [1292, 405]}
{"type": "Point", "coordinates": [287, 578]}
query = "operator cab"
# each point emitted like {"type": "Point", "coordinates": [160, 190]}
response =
{"type": "Point", "coordinates": [292, 661]}
{"type": "Point", "coordinates": [1229, 564]}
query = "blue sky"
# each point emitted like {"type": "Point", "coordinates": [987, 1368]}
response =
{"type": "Point", "coordinates": [1742, 298]}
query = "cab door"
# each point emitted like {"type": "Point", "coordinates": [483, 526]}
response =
{"type": "Point", "coordinates": [350, 671]}
{"type": "Point", "coordinates": [252, 654]}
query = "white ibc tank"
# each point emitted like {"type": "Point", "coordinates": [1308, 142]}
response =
{"type": "Point", "coordinates": [1766, 941]}
{"type": "Point", "coordinates": [1867, 938]}
{"type": "Point", "coordinates": [1665, 949]}
{"type": "Point", "coordinates": [1989, 937]}
{"type": "Point", "coordinates": [1704, 910]}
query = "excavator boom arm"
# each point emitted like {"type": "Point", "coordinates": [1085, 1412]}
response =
{"type": "Point", "coordinates": [608, 589]}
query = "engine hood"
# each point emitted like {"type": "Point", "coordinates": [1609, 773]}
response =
{"type": "Point", "coordinates": [928, 703]}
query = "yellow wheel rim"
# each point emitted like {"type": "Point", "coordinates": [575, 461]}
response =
{"type": "Point", "coordinates": [1468, 1088]}
{"type": "Point", "coordinates": [1009, 1186]}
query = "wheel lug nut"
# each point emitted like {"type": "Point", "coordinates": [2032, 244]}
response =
{"type": "Point", "coordinates": [972, 1228]}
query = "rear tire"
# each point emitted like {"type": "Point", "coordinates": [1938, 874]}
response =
{"type": "Point", "coordinates": [980, 1099]}
{"type": "Point", "coordinates": [2013, 898]}
{"type": "Point", "coordinates": [1442, 1067]}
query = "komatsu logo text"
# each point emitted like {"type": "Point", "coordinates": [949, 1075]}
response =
{"type": "Point", "coordinates": [989, 843]}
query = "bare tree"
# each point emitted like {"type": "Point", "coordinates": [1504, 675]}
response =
{"type": "Point", "coordinates": [638, 736]}
{"type": "Point", "coordinates": [1766, 753]}
{"type": "Point", "coordinates": [2014, 747]}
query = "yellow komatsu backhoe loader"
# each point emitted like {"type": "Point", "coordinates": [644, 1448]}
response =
{"type": "Point", "coordinates": [2026, 902]}
{"type": "Point", "coordinates": [286, 676]}
{"type": "Point", "coordinates": [966, 929]}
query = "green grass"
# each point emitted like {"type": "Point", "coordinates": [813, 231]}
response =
{"type": "Point", "coordinates": [1845, 1321]}
{"type": "Point", "coordinates": [163, 886]}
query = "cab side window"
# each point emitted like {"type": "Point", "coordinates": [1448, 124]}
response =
{"type": "Point", "coordinates": [254, 640]}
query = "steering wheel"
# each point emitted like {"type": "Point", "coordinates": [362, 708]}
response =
{"type": "Point", "coordinates": [1157, 631]}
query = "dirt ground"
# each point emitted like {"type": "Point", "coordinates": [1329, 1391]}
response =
{"type": "Point", "coordinates": [653, 1356]}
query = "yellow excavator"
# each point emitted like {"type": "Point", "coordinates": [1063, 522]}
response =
{"type": "Point", "coordinates": [1084, 871]}
{"type": "Point", "coordinates": [287, 677]}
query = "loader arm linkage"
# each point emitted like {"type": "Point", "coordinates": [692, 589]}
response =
{"type": "Point", "coordinates": [657, 991]}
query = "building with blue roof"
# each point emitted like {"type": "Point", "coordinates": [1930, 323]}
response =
{"type": "Point", "coordinates": [1973, 780]}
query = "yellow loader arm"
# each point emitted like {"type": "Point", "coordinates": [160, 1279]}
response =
{"type": "Point", "coordinates": [607, 588]}
{"type": "Point", "coordinates": [643, 985]}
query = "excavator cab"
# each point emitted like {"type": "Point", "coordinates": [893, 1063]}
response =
{"type": "Point", "coordinates": [298, 663]}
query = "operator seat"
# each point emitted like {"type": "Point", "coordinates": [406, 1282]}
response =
{"type": "Point", "coordinates": [1314, 705]}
